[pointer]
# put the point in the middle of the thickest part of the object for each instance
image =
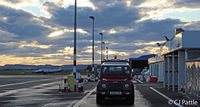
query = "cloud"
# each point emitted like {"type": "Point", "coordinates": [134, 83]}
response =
{"type": "Point", "coordinates": [130, 27]}
{"type": "Point", "coordinates": [21, 24]}
{"type": "Point", "coordinates": [112, 52]}
{"type": "Point", "coordinates": [187, 3]}
{"type": "Point", "coordinates": [33, 44]}
{"type": "Point", "coordinates": [67, 50]}
{"type": "Point", "coordinates": [142, 43]}
{"type": "Point", "coordinates": [159, 9]}
{"type": "Point", "coordinates": [88, 49]}
{"type": "Point", "coordinates": [61, 32]}
{"type": "Point", "coordinates": [103, 20]}
{"type": "Point", "coordinates": [147, 50]}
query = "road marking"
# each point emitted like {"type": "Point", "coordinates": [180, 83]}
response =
{"type": "Point", "coordinates": [139, 81]}
{"type": "Point", "coordinates": [134, 81]}
{"type": "Point", "coordinates": [166, 97]}
{"type": "Point", "coordinates": [23, 83]}
{"type": "Point", "coordinates": [80, 101]}
{"type": "Point", "coordinates": [25, 89]}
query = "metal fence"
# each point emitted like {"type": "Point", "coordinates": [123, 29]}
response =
{"type": "Point", "coordinates": [192, 79]}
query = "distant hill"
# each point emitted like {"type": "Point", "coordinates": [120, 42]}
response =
{"type": "Point", "coordinates": [35, 67]}
{"type": "Point", "coordinates": [70, 67]}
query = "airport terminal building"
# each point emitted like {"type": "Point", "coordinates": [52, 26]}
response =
{"type": "Point", "coordinates": [178, 63]}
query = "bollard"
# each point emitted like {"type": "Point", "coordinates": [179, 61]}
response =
{"type": "Point", "coordinates": [65, 85]}
{"type": "Point", "coordinates": [88, 77]}
{"type": "Point", "coordinates": [182, 88]}
{"type": "Point", "coordinates": [136, 77]}
{"type": "Point", "coordinates": [82, 84]}
{"type": "Point", "coordinates": [96, 79]}
{"type": "Point", "coordinates": [143, 77]}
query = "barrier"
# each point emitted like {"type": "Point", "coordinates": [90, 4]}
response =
{"type": "Point", "coordinates": [182, 88]}
{"type": "Point", "coordinates": [143, 77]}
{"type": "Point", "coordinates": [75, 84]}
{"type": "Point", "coordinates": [96, 79]}
{"type": "Point", "coordinates": [80, 85]}
{"type": "Point", "coordinates": [136, 76]}
{"type": "Point", "coordinates": [75, 81]}
{"type": "Point", "coordinates": [140, 77]}
{"type": "Point", "coordinates": [147, 78]}
{"type": "Point", "coordinates": [65, 85]}
{"type": "Point", "coordinates": [70, 80]}
{"type": "Point", "coordinates": [153, 79]}
{"type": "Point", "coordinates": [89, 78]}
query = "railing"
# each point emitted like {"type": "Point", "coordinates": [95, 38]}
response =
{"type": "Point", "coordinates": [193, 79]}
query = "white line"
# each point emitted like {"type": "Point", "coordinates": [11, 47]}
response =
{"type": "Point", "coordinates": [169, 99]}
{"type": "Point", "coordinates": [25, 89]}
{"type": "Point", "coordinates": [72, 103]}
{"type": "Point", "coordinates": [134, 81]}
{"type": "Point", "coordinates": [139, 81]}
{"type": "Point", "coordinates": [23, 83]}
{"type": "Point", "coordinates": [80, 101]}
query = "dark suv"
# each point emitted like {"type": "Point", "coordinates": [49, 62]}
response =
{"type": "Point", "coordinates": [115, 81]}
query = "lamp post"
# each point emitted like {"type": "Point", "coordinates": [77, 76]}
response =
{"type": "Point", "coordinates": [101, 34]}
{"type": "Point", "coordinates": [104, 48]}
{"type": "Point", "coordinates": [107, 52]}
{"type": "Point", "coordinates": [74, 59]}
{"type": "Point", "coordinates": [92, 17]}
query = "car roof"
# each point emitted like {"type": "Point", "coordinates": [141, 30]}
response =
{"type": "Point", "coordinates": [115, 64]}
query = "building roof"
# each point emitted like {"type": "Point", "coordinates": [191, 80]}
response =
{"type": "Point", "coordinates": [144, 57]}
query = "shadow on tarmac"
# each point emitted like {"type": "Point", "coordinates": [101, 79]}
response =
{"type": "Point", "coordinates": [115, 103]}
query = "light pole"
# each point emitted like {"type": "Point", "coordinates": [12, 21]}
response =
{"type": "Point", "coordinates": [92, 17]}
{"type": "Point", "coordinates": [104, 48]}
{"type": "Point", "coordinates": [101, 34]}
{"type": "Point", "coordinates": [107, 52]}
{"type": "Point", "coordinates": [74, 59]}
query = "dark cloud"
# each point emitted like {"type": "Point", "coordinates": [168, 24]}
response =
{"type": "Point", "coordinates": [137, 2]}
{"type": "Point", "coordinates": [104, 3]}
{"type": "Point", "coordinates": [21, 23]}
{"type": "Point", "coordinates": [110, 14]}
{"type": "Point", "coordinates": [193, 26]}
{"type": "Point", "coordinates": [147, 30]}
{"type": "Point", "coordinates": [107, 17]}
{"type": "Point", "coordinates": [187, 3]}
{"type": "Point", "coordinates": [14, 1]}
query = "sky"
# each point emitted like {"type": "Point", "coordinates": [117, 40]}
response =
{"type": "Point", "coordinates": [38, 32]}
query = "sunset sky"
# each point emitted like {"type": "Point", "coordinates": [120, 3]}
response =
{"type": "Point", "coordinates": [41, 31]}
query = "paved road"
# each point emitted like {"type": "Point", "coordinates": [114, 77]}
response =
{"type": "Point", "coordinates": [31, 91]}
{"type": "Point", "coordinates": [140, 100]}
{"type": "Point", "coordinates": [146, 95]}
{"type": "Point", "coordinates": [37, 91]}
{"type": "Point", "coordinates": [42, 91]}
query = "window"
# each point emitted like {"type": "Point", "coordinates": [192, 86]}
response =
{"type": "Point", "coordinates": [115, 70]}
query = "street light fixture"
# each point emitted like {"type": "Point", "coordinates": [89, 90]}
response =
{"type": "Point", "coordinates": [101, 34]}
{"type": "Point", "coordinates": [92, 17]}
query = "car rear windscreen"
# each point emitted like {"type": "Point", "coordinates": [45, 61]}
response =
{"type": "Point", "coordinates": [125, 70]}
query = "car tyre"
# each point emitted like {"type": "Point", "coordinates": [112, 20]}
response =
{"type": "Point", "coordinates": [99, 99]}
{"type": "Point", "coordinates": [131, 99]}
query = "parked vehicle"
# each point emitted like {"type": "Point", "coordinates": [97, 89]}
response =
{"type": "Point", "coordinates": [115, 81]}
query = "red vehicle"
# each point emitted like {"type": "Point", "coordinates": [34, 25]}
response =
{"type": "Point", "coordinates": [115, 81]}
